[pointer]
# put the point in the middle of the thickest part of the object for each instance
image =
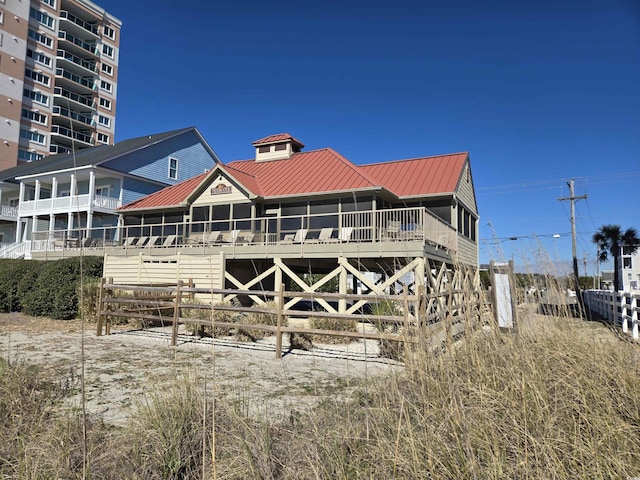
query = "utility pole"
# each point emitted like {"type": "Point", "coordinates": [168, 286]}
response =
{"type": "Point", "coordinates": [573, 199]}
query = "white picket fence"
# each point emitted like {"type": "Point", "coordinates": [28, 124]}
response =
{"type": "Point", "coordinates": [620, 308]}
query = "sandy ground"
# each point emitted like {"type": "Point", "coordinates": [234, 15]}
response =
{"type": "Point", "coordinates": [123, 368]}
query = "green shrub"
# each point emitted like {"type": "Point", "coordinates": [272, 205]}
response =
{"type": "Point", "coordinates": [17, 277]}
{"type": "Point", "coordinates": [55, 291]}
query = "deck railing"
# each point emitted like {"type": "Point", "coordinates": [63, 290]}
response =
{"type": "Point", "coordinates": [45, 206]}
{"type": "Point", "coordinates": [381, 227]}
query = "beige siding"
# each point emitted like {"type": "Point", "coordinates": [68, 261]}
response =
{"type": "Point", "coordinates": [206, 271]}
{"type": "Point", "coordinates": [465, 191]}
{"type": "Point", "coordinates": [233, 196]}
{"type": "Point", "coordinates": [467, 251]}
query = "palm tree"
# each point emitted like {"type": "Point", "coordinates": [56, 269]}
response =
{"type": "Point", "coordinates": [610, 239]}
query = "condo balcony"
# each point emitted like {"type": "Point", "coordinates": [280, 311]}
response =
{"type": "Point", "coordinates": [67, 37]}
{"type": "Point", "coordinates": [83, 100]}
{"type": "Point", "coordinates": [79, 117]}
{"type": "Point", "coordinates": [86, 82]}
{"type": "Point", "coordinates": [86, 66]}
{"type": "Point", "coordinates": [69, 18]}
{"type": "Point", "coordinates": [59, 149]}
{"type": "Point", "coordinates": [82, 137]}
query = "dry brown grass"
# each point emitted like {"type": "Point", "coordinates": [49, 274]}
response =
{"type": "Point", "coordinates": [558, 399]}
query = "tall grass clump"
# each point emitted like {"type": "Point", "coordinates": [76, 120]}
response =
{"type": "Point", "coordinates": [196, 310]}
{"type": "Point", "coordinates": [549, 402]}
{"type": "Point", "coordinates": [262, 315]}
{"type": "Point", "coordinates": [332, 324]}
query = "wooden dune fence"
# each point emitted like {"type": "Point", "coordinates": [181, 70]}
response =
{"type": "Point", "coordinates": [419, 320]}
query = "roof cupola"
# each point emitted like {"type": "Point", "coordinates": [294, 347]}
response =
{"type": "Point", "coordinates": [276, 147]}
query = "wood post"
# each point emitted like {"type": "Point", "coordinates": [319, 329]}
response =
{"type": "Point", "coordinates": [100, 296]}
{"type": "Point", "coordinates": [176, 315]}
{"type": "Point", "coordinates": [449, 317]}
{"type": "Point", "coordinates": [279, 324]}
{"type": "Point", "coordinates": [108, 322]}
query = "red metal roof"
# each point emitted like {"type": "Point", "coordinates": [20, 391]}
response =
{"type": "Point", "coordinates": [280, 137]}
{"type": "Point", "coordinates": [318, 171]}
{"type": "Point", "coordinates": [323, 171]}
{"type": "Point", "coordinates": [171, 196]}
{"type": "Point", "coordinates": [419, 176]}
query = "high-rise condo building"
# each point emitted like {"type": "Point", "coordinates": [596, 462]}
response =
{"type": "Point", "coordinates": [58, 78]}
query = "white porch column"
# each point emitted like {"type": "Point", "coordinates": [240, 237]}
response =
{"type": "Point", "coordinates": [118, 235]}
{"type": "Point", "coordinates": [34, 219]}
{"type": "Point", "coordinates": [54, 190]}
{"type": "Point", "coordinates": [72, 193]}
{"type": "Point", "coordinates": [21, 194]}
{"type": "Point", "coordinates": [52, 224]}
{"type": "Point", "coordinates": [72, 185]}
{"type": "Point", "coordinates": [92, 197]}
{"type": "Point", "coordinates": [19, 219]}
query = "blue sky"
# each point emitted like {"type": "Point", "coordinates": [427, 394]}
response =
{"type": "Point", "coordinates": [537, 91]}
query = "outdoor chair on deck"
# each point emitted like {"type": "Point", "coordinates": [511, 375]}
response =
{"type": "Point", "coordinates": [393, 229]}
{"type": "Point", "coordinates": [130, 241]}
{"type": "Point", "coordinates": [248, 238]}
{"type": "Point", "coordinates": [324, 236]}
{"type": "Point", "coordinates": [345, 234]}
{"type": "Point", "coordinates": [169, 241]}
{"type": "Point", "coordinates": [214, 237]}
{"type": "Point", "coordinates": [233, 236]}
{"type": "Point", "coordinates": [153, 240]}
{"type": "Point", "coordinates": [141, 242]}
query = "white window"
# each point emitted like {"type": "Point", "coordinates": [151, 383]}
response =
{"type": "Point", "coordinates": [51, 3]}
{"type": "Point", "coordinates": [107, 50]}
{"type": "Point", "coordinates": [13, 202]}
{"type": "Point", "coordinates": [37, 97]}
{"type": "Point", "coordinates": [105, 85]}
{"type": "Point", "coordinates": [103, 191]}
{"type": "Point", "coordinates": [29, 156]}
{"type": "Point", "coordinates": [37, 76]}
{"type": "Point", "coordinates": [39, 57]}
{"type": "Point", "coordinates": [105, 103]}
{"type": "Point", "coordinates": [40, 38]}
{"type": "Point", "coordinates": [173, 168]}
{"type": "Point", "coordinates": [109, 32]}
{"type": "Point", "coordinates": [102, 138]}
{"type": "Point", "coordinates": [102, 120]}
{"type": "Point", "coordinates": [106, 68]}
{"type": "Point", "coordinates": [42, 17]}
{"type": "Point", "coordinates": [1, 17]}
{"type": "Point", "coordinates": [34, 116]}
{"type": "Point", "coordinates": [33, 136]}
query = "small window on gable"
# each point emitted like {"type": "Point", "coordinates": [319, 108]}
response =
{"type": "Point", "coordinates": [264, 149]}
{"type": "Point", "coordinates": [281, 146]}
{"type": "Point", "coordinates": [173, 168]}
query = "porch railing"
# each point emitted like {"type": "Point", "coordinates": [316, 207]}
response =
{"type": "Point", "coordinates": [7, 211]}
{"type": "Point", "coordinates": [66, 204]}
{"type": "Point", "coordinates": [383, 227]}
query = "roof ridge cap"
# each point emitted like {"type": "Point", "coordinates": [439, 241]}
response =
{"type": "Point", "coordinates": [373, 181]}
{"type": "Point", "coordinates": [386, 162]}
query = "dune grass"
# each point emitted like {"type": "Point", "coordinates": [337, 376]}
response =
{"type": "Point", "coordinates": [559, 398]}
